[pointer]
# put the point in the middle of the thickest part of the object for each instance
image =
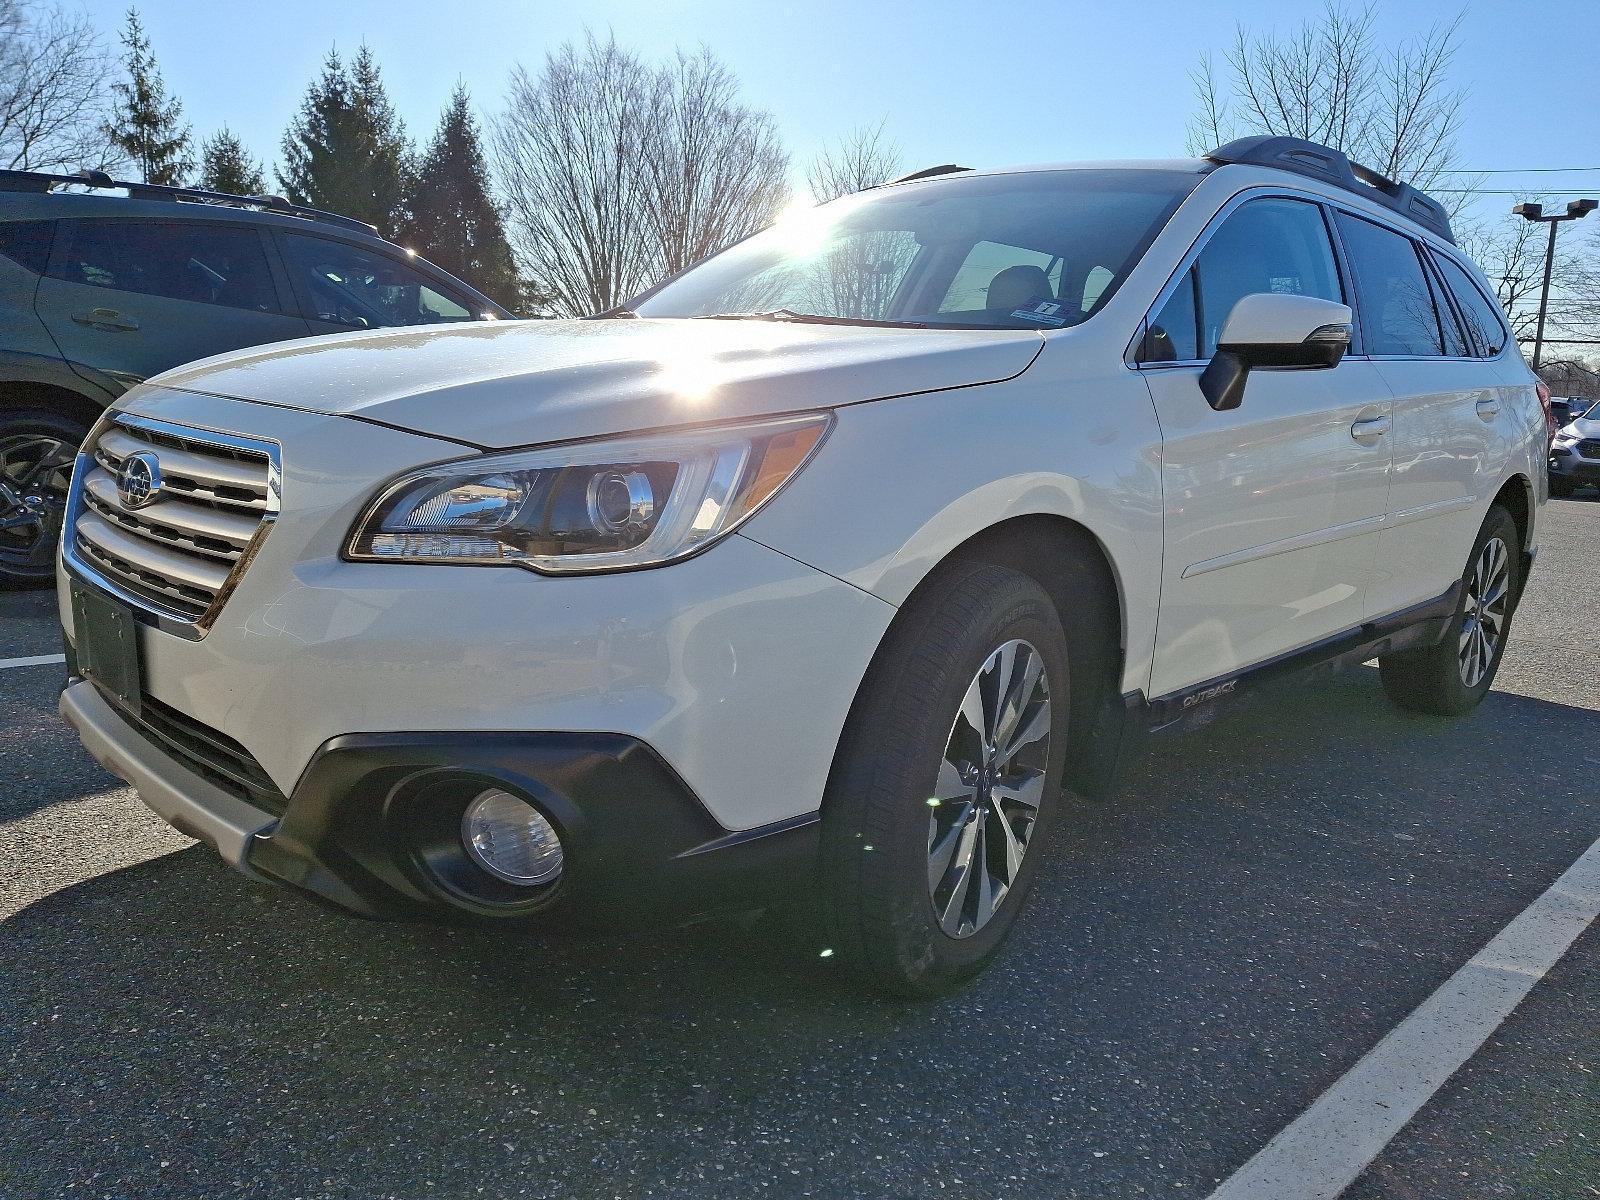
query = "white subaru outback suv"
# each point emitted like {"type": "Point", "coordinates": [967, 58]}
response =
{"type": "Point", "coordinates": [820, 570]}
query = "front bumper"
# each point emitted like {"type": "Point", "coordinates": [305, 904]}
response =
{"type": "Point", "coordinates": [1565, 464]}
{"type": "Point", "coordinates": [354, 832]}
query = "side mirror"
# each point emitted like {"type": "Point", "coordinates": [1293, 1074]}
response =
{"type": "Point", "coordinates": [1267, 329]}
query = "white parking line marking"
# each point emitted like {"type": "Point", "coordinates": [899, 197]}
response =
{"type": "Point", "coordinates": [38, 660]}
{"type": "Point", "coordinates": [1323, 1151]}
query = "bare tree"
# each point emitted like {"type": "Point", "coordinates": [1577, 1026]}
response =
{"type": "Point", "coordinates": [714, 168]}
{"type": "Point", "coordinates": [1511, 253]}
{"type": "Point", "coordinates": [53, 70]}
{"type": "Point", "coordinates": [1331, 81]}
{"type": "Point", "coordinates": [863, 158]}
{"type": "Point", "coordinates": [570, 148]}
{"type": "Point", "coordinates": [616, 174]}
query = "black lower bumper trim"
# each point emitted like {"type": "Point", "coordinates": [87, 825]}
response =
{"type": "Point", "coordinates": [639, 845]}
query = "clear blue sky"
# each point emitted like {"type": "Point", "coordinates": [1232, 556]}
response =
{"type": "Point", "coordinates": [977, 83]}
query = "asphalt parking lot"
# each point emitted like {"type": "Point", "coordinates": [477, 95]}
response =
{"type": "Point", "coordinates": [1206, 954]}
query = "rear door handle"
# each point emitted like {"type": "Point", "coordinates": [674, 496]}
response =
{"type": "Point", "coordinates": [1367, 432]}
{"type": "Point", "coordinates": [1488, 409]}
{"type": "Point", "coordinates": [105, 318]}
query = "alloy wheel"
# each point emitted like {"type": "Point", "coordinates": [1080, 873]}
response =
{"type": "Point", "coordinates": [35, 470]}
{"type": "Point", "coordinates": [989, 789]}
{"type": "Point", "coordinates": [1483, 623]}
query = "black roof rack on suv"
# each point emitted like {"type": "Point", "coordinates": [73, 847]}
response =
{"type": "Point", "coordinates": [35, 181]}
{"type": "Point", "coordinates": [930, 172]}
{"type": "Point", "coordinates": [1333, 166]}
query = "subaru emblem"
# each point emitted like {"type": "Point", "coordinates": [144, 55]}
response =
{"type": "Point", "coordinates": [139, 480]}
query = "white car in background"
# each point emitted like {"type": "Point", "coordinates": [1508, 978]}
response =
{"type": "Point", "coordinates": [1575, 453]}
{"type": "Point", "coordinates": [823, 568]}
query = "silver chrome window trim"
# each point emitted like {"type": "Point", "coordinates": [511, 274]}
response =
{"type": "Point", "coordinates": [147, 610]}
{"type": "Point", "coordinates": [1271, 191]}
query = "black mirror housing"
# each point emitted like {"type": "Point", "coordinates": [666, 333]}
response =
{"type": "Point", "coordinates": [1222, 382]}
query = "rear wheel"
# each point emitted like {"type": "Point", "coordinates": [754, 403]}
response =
{"type": "Point", "coordinates": [1450, 678]}
{"type": "Point", "coordinates": [37, 448]}
{"type": "Point", "coordinates": [947, 782]}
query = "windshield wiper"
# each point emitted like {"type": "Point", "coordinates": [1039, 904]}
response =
{"type": "Point", "coordinates": [616, 314]}
{"type": "Point", "coordinates": [789, 314]}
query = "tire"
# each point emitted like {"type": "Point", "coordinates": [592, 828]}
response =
{"type": "Point", "coordinates": [896, 920]}
{"type": "Point", "coordinates": [37, 448]}
{"type": "Point", "coordinates": [1561, 488]}
{"type": "Point", "coordinates": [1450, 678]}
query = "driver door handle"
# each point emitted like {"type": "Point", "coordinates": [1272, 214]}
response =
{"type": "Point", "coordinates": [105, 318]}
{"type": "Point", "coordinates": [1367, 432]}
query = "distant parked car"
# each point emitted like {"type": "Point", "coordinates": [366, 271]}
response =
{"type": "Point", "coordinates": [1575, 453]}
{"type": "Point", "coordinates": [98, 292]}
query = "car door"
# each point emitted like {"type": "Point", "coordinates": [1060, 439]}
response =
{"type": "Point", "coordinates": [1272, 510]}
{"type": "Point", "coordinates": [342, 287]}
{"type": "Point", "coordinates": [131, 297]}
{"type": "Point", "coordinates": [1454, 408]}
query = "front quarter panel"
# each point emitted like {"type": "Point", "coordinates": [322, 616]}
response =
{"type": "Point", "coordinates": [902, 483]}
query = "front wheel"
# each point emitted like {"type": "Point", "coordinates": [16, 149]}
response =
{"type": "Point", "coordinates": [37, 448]}
{"type": "Point", "coordinates": [1450, 678]}
{"type": "Point", "coordinates": [946, 783]}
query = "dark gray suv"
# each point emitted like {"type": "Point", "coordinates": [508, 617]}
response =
{"type": "Point", "coordinates": [98, 292]}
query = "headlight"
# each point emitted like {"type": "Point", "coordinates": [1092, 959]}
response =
{"type": "Point", "coordinates": [604, 505]}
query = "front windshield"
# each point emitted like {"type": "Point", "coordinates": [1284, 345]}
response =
{"type": "Point", "coordinates": [1034, 250]}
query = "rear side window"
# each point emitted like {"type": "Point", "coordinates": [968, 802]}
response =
{"type": "Point", "coordinates": [1395, 303]}
{"type": "Point", "coordinates": [347, 285]}
{"type": "Point", "coordinates": [1269, 245]}
{"type": "Point", "coordinates": [205, 264]}
{"type": "Point", "coordinates": [1485, 326]}
{"type": "Point", "coordinates": [27, 243]}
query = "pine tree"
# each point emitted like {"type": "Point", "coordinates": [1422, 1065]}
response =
{"type": "Point", "coordinates": [146, 124]}
{"type": "Point", "coordinates": [454, 222]}
{"type": "Point", "coordinates": [226, 166]}
{"type": "Point", "coordinates": [347, 150]}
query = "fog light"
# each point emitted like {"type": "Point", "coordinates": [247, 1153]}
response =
{"type": "Point", "coordinates": [511, 839]}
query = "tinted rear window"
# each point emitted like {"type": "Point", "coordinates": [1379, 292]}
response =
{"type": "Point", "coordinates": [1485, 325]}
{"type": "Point", "coordinates": [27, 242]}
{"type": "Point", "coordinates": [206, 264]}
{"type": "Point", "coordinates": [1394, 300]}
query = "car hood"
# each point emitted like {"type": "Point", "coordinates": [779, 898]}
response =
{"type": "Point", "coordinates": [515, 383]}
{"type": "Point", "coordinates": [1583, 427]}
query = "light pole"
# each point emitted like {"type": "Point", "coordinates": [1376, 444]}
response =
{"type": "Point", "coordinates": [1576, 210]}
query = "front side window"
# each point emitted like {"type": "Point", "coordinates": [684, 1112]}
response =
{"type": "Point", "coordinates": [205, 264]}
{"type": "Point", "coordinates": [1031, 250]}
{"type": "Point", "coordinates": [1485, 324]}
{"type": "Point", "coordinates": [1267, 245]}
{"type": "Point", "coordinates": [346, 285]}
{"type": "Point", "coordinates": [1393, 298]}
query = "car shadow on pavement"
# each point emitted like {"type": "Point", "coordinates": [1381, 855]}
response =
{"type": "Point", "coordinates": [1204, 953]}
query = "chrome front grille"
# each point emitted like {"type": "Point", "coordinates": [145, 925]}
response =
{"type": "Point", "coordinates": [179, 554]}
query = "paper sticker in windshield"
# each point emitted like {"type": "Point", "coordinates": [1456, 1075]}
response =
{"type": "Point", "coordinates": [1040, 311]}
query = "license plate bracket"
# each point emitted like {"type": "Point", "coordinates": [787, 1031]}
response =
{"type": "Point", "coordinates": [107, 645]}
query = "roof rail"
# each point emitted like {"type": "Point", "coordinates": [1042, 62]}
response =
{"type": "Point", "coordinates": [1332, 166]}
{"type": "Point", "coordinates": [930, 172]}
{"type": "Point", "coordinates": [36, 181]}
